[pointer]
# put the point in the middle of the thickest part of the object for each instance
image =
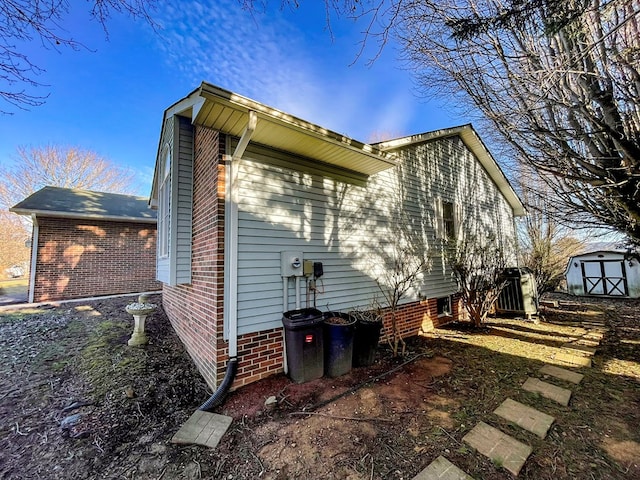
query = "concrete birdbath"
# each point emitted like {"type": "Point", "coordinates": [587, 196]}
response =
{"type": "Point", "coordinates": [140, 311]}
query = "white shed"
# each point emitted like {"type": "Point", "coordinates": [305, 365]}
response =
{"type": "Point", "coordinates": [604, 273]}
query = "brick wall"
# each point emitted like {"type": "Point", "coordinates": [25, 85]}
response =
{"type": "Point", "coordinates": [85, 258]}
{"type": "Point", "coordinates": [417, 317]}
{"type": "Point", "coordinates": [196, 310]}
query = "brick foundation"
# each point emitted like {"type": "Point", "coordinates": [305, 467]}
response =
{"type": "Point", "coordinates": [86, 258]}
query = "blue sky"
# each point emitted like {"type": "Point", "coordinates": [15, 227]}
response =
{"type": "Point", "coordinates": [110, 97]}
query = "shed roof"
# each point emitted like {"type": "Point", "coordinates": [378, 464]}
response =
{"type": "Point", "coordinates": [475, 144]}
{"type": "Point", "coordinates": [74, 203]}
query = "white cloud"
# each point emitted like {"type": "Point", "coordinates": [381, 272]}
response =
{"type": "Point", "coordinates": [266, 57]}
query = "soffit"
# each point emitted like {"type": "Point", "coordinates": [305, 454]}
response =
{"type": "Point", "coordinates": [227, 112]}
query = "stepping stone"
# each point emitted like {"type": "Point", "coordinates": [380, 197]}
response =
{"type": "Point", "coordinates": [581, 349]}
{"type": "Point", "coordinates": [562, 374]}
{"type": "Point", "coordinates": [593, 335]}
{"type": "Point", "coordinates": [442, 469]}
{"type": "Point", "coordinates": [549, 303]}
{"type": "Point", "coordinates": [203, 428]}
{"type": "Point", "coordinates": [525, 417]}
{"type": "Point", "coordinates": [502, 449]}
{"type": "Point", "coordinates": [594, 323]}
{"type": "Point", "coordinates": [552, 392]}
{"type": "Point", "coordinates": [579, 360]}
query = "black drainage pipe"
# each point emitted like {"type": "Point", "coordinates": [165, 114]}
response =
{"type": "Point", "coordinates": [219, 395]}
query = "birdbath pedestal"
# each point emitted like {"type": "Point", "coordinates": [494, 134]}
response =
{"type": "Point", "coordinates": [140, 311]}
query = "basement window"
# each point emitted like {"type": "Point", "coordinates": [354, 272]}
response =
{"type": "Point", "coordinates": [444, 306]}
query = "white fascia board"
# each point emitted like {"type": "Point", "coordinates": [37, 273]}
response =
{"type": "Point", "coordinates": [191, 103]}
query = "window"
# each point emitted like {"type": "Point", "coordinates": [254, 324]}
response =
{"type": "Point", "coordinates": [164, 206]}
{"type": "Point", "coordinates": [444, 306]}
{"type": "Point", "coordinates": [448, 220]}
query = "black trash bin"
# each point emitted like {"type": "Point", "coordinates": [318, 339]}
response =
{"type": "Point", "coordinates": [365, 341]}
{"type": "Point", "coordinates": [303, 337]}
{"type": "Point", "coordinates": [338, 343]}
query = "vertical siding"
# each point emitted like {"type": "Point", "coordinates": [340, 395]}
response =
{"type": "Point", "coordinates": [352, 229]}
{"type": "Point", "coordinates": [182, 213]}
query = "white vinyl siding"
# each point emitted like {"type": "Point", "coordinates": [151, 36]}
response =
{"type": "Point", "coordinates": [349, 227]}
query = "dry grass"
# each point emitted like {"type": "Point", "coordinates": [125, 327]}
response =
{"type": "Point", "coordinates": [56, 356]}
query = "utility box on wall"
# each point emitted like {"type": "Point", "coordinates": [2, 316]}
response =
{"type": "Point", "coordinates": [291, 264]}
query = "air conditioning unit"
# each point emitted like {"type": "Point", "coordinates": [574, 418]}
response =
{"type": "Point", "coordinates": [520, 295]}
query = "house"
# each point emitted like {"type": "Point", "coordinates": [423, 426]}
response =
{"type": "Point", "coordinates": [88, 244]}
{"type": "Point", "coordinates": [607, 273]}
{"type": "Point", "coordinates": [250, 199]}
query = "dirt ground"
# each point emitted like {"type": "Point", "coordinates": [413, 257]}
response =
{"type": "Point", "coordinates": [77, 402]}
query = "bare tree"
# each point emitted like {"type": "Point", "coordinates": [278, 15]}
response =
{"type": "Point", "coordinates": [545, 244]}
{"type": "Point", "coordinates": [564, 96]}
{"type": "Point", "coordinates": [26, 21]}
{"type": "Point", "coordinates": [67, 167]}
{"type": "Point", "coordinates": [403, 272]}
{"type": "Point", "coordinates": [477, 262]}
{"type": "Point", "coordinates": [557, 81]}
{"type": "Point", "coordinates": [13, 238]}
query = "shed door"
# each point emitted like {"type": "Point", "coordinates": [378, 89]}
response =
{"type": "Point", "coordinates": [605, 277]}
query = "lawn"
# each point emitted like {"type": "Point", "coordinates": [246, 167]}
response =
{"type": "Point", "coordinates": [13, 286]}
{"type": "Point", "coordinates": [386, 421]}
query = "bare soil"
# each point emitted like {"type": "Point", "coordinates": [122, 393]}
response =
{"type": "Point", "coordinates": [386, 421]}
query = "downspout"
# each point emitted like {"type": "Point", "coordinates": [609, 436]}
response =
{"type": "Point", "coordinates": [231, 248]}
{"type": "Point", "coordinates": [35, 232]}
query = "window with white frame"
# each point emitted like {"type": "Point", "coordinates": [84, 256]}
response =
{"type": "Point", "coordinates": [164, 205]}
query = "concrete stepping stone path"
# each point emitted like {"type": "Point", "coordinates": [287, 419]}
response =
{"type": "Point", "coordinates": [562, 373]}
{"type": "Point", "coordinates": [202, 428]}
{"type": "Point", "coordinates": [547, 390]}
{"type": "Point", "coordinates": [503, 450]}
{"type": "Point", "coordinates": [442, 469]}
{"type": "Point", "coordinates": [579, 349]}
{"type": "Point", "coordinates": [573, 359]}
{"type": "Point", "coordinates": [525, 417]}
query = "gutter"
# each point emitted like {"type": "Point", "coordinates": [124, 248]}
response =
{"type": "Point", "coordinates": [231, 264]}
{"type": "Point", "coordinates": [83, 216]}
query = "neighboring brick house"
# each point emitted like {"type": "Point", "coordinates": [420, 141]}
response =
{"type": "Point", "coordinates": [241, 188]}
{"type": "Point", "coordinates": [88, 244]}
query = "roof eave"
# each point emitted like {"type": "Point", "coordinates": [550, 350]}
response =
{"type": "Point", "coordinates": [79, 216]}
{"type": "Point", "coordinates": [288, 132]}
